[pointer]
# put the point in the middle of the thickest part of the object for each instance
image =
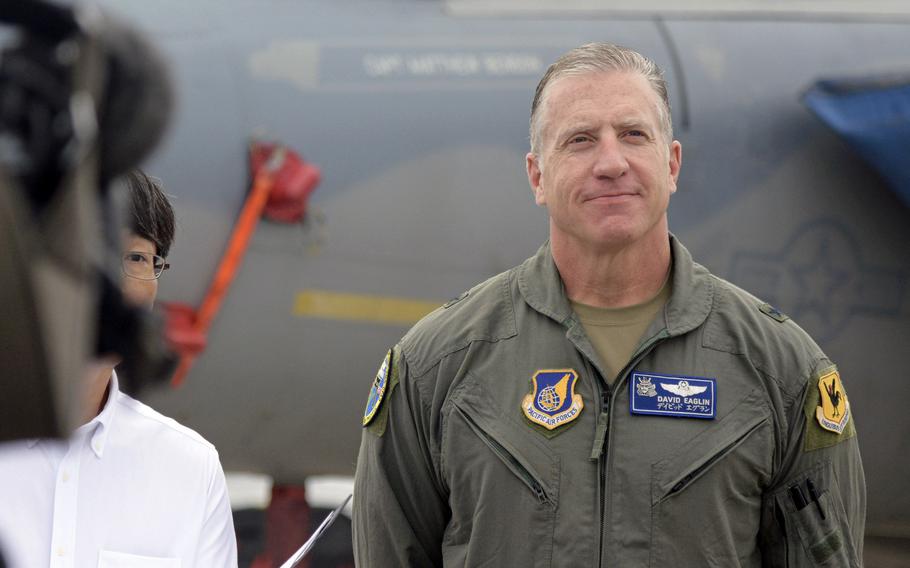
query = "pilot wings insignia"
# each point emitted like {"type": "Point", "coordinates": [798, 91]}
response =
{"type": "Point", "coordinates": [683, 388]}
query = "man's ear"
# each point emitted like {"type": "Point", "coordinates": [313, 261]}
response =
{"type": "Point", "coordinates": [532, 163]}
{"type": "Point", "coordinates": [675, 163]}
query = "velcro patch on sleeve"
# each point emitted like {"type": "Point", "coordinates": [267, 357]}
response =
{"type": "Point", "coordinates": [377, 390]}
{"type": "Point", "coordinates": [829, 420]}
{"type": "Point", "coordinates": [773, 313]}
{"type": "Point", "coordinates": [376, 413]}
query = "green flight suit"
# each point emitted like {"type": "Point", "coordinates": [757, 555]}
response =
{"type": "Point", "coordinates": [452, 473]}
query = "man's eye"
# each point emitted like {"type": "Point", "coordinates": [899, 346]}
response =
{"type": "Point", "coordinates": [579, 139]}
{"type": "Point", "coordinates": [637, 133]}
{"type": "Point", "coordinates": [135, 257]}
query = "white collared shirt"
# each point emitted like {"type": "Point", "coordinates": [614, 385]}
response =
{"type": "Point", "coordinates": [130, 488]}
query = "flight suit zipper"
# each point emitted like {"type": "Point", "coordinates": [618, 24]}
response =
{"type": "Point", "coordinates": [601, 458]}
{"type": "Point", "coordinates": [601, 437]}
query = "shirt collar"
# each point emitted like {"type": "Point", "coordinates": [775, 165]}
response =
{"type": "Point", "coordinates": [99, 427]}
{"type": "Point", "coordinates": [692, 289]}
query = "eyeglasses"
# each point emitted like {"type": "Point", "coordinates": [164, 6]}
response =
{"type": "Point", "coordinates": [142, 265]}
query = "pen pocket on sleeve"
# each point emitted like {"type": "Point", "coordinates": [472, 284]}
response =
{"type": "Point", "coordinates": [816, 528]}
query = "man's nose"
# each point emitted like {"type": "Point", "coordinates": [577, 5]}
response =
{"type": "Point", "coordinates": [611, 161]}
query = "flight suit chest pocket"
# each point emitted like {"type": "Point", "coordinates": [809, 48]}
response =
{"type": "Point", "coordinates": [706, 496]}
{"type": "Point", "coordinates": [502, 481]}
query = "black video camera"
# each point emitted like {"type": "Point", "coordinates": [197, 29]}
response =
{"type": "Point", "coordinates": [83, 99]}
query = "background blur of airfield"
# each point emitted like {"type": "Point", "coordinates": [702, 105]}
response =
{"type": "Point", "coordinates": [416, 113]}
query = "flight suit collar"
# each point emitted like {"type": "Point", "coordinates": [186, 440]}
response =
{"type": "Point", "coordinates": [693, 292]}
{"type": "Point", "coordinates": [690, 303]}
{"type": "Point", "coordinates": [541, 286]}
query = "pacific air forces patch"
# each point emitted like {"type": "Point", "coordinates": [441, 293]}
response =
{"type": "Point", "coordinates": [827, 410]}
{"type": "Point", "coordinates": [552, 401]}
{"type": "Point", "coordinates": [377, 391]}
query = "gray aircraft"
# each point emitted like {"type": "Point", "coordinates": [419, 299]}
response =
{"type": "Point", "coordinates": [416, 113]}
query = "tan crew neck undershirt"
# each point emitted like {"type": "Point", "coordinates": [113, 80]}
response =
{"type": "Point", "coordinates": [615, 332]}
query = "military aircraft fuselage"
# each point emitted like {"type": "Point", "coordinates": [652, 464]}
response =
{"type": "Point", "coordinates": [417, 115]}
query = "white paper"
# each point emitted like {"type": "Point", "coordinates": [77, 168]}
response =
{"type": "Point", "coordinates": [317, 534]}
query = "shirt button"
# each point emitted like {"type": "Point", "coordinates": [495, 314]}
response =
{"type": "Point", "coordinates": [66, 476]}
{"type": "Point", "coordinates": [60, 551]}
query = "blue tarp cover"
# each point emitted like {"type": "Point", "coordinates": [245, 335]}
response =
{"type": "Point", "coordinates": [873, 116]}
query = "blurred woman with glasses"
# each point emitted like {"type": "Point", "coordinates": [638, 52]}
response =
{"type": "Point", "coordinates": [130, 486]}
{"type": "Point", "coordinates": [149, 239]}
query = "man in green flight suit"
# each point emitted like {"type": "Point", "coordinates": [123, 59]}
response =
{"type": "Point", "coordinates": [608, 402]}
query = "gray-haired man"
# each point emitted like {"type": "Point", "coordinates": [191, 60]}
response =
{"type": "Point", "coordinates": [608, 402]}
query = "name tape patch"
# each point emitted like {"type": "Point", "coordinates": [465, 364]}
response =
{"type": "Point", "coordinates": [667, 395]}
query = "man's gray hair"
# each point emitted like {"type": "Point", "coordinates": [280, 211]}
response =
{"type": "Point", "coordinates": [594, 58]}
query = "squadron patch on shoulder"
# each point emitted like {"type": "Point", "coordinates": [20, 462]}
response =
{"type": "Point", "coordinates": [553, 401]}
{"type": "Point", "coordinates": [833, 412]}
{"type": "Point", "coordinates": [664, 395]}
{"type": "Point", "coordinates": [829, 419]}
{"type": "Point", "coordinates": [377, 391]}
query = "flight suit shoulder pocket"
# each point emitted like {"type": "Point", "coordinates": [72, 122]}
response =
{"type": "Point", "coordinates": [815, 525]}
{"type": "Point", "coordinates": [522, 453]}
{"type": "Point", "coordinates": [694, 458]}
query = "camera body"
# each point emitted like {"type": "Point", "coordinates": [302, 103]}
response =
{"type": "Point", "coordinates": [83, 99]}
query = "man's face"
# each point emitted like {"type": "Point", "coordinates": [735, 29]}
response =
{"type": "Point", "coordinates": [605, 171]}
{"type": "Point", "coordinates": [139, 292]}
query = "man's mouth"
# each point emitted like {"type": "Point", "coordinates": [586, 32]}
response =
{"type": "Point", "coordinates": [611, 196]}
